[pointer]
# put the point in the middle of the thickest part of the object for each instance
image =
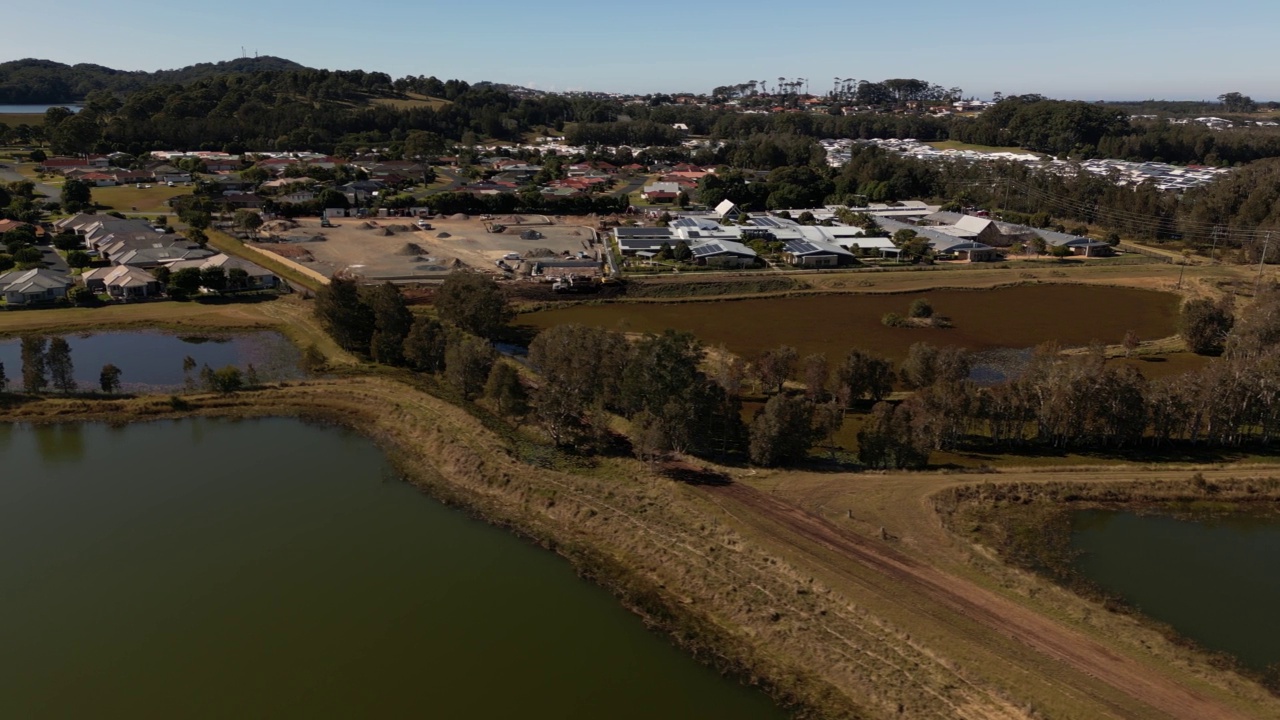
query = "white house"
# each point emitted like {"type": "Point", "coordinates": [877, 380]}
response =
{"type": "Point", "coordinates": [30, 287]}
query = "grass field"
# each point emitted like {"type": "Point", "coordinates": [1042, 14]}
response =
{"type": "Point", "coordinates": [957, 145]}
{"type": "Point", "coordinates": [15, 119]}
{"type": "Point", "coordinates": [413, 101]}
{"type": "Point", "coordinates": [128, 199]}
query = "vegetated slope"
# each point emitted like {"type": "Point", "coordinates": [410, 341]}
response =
{"type": "Point", "coordinates": [45, 81]}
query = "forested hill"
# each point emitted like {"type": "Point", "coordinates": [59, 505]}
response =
{"type": "Point", "coordinates": [47, 82]}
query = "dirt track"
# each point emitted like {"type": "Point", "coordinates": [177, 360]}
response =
{"type": "Point", "coordinates": [805, 532]}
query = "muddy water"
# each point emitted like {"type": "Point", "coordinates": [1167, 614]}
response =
{"type": "Point", "coordinates": [1014, 317]}
{"type": "Point", "coordinates": [1213, 580]}
{"type": "Point", "coordinates": [272, 569]}
{"type": "Point", "coordinates": [153, 360]}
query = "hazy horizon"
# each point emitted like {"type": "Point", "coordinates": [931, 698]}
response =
{"type": "Point", "coordinates": [1143, 50]}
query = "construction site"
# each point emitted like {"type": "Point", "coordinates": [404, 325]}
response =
{"type": "Point", "coordinates": [424, 250]}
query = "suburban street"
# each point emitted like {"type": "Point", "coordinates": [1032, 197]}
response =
{"type": "Point", "coordinates": [8, 174]}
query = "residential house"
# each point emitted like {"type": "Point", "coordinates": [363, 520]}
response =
{"type": "Point", "coordinates": [944, 245]}
{"type": "Point", "coordinates": [34, 287]}
{"type": "Point", "coordinates": [1082, 246]}
{"type": "Point", "coordinates": [242, 201]}
{"type": "Point", "coordinates": [256, 277]}
{"type": "Point", "coordinates": [64, 164]}
{"type": "Point", "coordinates": [165, 173]}
{"type": "Point", "coordinates": [7, 225]}
{"type": "Point", "coordinates": [817, 253]}
{"type": "Point", "coordinates": [97, 179]}
{"type": "Point", "coordinates": [296, 197]}
{"type": "Point", "coordinates": [154, 257]}
{"type": "Point", "coordinates": [661, 192]}
{"type": "Point", "coordinates": [221, 164]}
{"type": "Point", "coordinates": [122, 282]}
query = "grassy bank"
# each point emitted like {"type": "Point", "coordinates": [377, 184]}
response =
{"type": "Point", "coordinates": [290, 316]}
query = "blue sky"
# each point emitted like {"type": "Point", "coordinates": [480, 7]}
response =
{"type": "Point", "coordinates": [1088, 49]}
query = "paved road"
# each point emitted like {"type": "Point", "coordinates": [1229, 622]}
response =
{"type": "Point", "coordinates": [8, 174]}
{"type": "Point", "coordinates": [54, 261]}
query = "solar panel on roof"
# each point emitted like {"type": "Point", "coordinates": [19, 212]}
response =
{"type": "Point", "coordinates": [707, 249]}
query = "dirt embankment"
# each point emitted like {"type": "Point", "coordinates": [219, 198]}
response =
{"type": "Point", "coordinates": [993, 613]}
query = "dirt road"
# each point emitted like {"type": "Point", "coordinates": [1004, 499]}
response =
{"type": "Point", "coordinates": [807, 534]}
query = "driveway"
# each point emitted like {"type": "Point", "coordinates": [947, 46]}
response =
{"type": "Point", "coordinates": [54, 261]}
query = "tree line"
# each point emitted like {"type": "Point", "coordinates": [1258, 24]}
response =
{"type": "Point", "coordinates": [1080, 402]}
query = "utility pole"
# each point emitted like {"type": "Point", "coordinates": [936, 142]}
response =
{"type": "Point", "coordinates": [1213, 251]}
{"type": "Point", "coordinates": [1008, 181]}
{"type": "Point", "coordinates": [1261, 263]}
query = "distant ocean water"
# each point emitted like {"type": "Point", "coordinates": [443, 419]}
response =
{"type": "Point", "coordinates": [33, 109]}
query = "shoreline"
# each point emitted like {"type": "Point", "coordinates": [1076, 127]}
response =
{"type": "Point", "coordinates": [676, 555]}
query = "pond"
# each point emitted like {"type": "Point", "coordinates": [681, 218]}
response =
{"type": "Point", "coordinates": [1013, 317]}
{"type": "Point", "coordinates": [1213, 580]}
{"type": "Point", "coordinates": [271, 568]}
{"type": "Point", "coordinates": [153, 360]}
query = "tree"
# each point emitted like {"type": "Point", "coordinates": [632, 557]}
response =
{"type": "Point", "coordinates": [109, 378]}
{"type": "Point", "coordinates": [773, 367]}
{"type": "Point", "coordinates": [76, 194]}
{"type": "Point", "coordinates": [343, 314]}
{"type": "Point", "coordinates": [926, 365]}
{"type": "Point", "coordinates": [474, 303]}
{"type": "Point", "coordinates": [247, 220]}
{"type": "Point", "coordinates": [467, 362]}
{"type": "Point", "coordinates": [506, 390]}
{"type": "Point", "coordinates": [816, 372]}
{"type": "Point", "coordinates": [782, 432]}
{"type": "Point", "coordinates": [68, 241]}
{"type": "Point", "coordinates": [1060, 252]}
{"type": "Point", "coordinates": [392, 322]}
{"type": "Point", "coordinates": [424, 346]}
{"type": "Point", "coordinates": [4, 379]}
{"type": "Point", "coordinates": [76, 135]}
{"type": "Point", "coordinates": [1131, 342]}
{"type": "Point", "coordinates": [61, 369]}
{"type": "Point", "coordinates": [225, 380]}
{"type": "Point", "coordinates": [1204, 325]}
{"type": "Point", "coordinates": [863, 375]}
{"type": "Point", "coordinates": [889, 439]}
{"type": "Point", "coordinates": [185, 281]}
{"type": "Point", "coordinates": [195, 219]}
{"type": "Point", "coordinates": [28, 256]}
{"type": "Point", "coordinates": [81, 296]}
{"type": "Point", "coordinates": [581, 367]}
{"type": "Point", "coordinates": [35, 375]}
{"type": "Point", "coordinates": [1236, 102]}
{"type": "Point", "coordinates": [649, 439]}
{"type": "Point", "coordinates": [79, 259]}
{"type": "Point", "coordinates": [682, 253]}
{"type": "Point", "coordinates": [920, 308]}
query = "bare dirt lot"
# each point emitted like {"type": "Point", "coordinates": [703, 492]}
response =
{"type": "Point", "coordinates": [395, 249]}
